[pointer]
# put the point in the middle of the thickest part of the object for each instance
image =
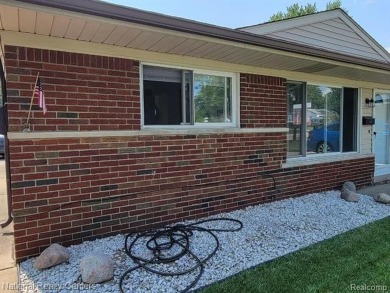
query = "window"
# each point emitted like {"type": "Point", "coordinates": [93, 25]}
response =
{"type": "Point", "coordinates": [187, 97]}
{"type": "Point", "coordinates": [295, 97]}
{"type": "Point", "coordinates": [330, 123]}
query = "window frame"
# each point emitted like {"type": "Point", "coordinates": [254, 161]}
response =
{"type": "Point", "coordinates": [234, 97]}
{"type": "Point", "coordinates": [303, 145]}
{"type": "Point", "coordinates": [304, 134]}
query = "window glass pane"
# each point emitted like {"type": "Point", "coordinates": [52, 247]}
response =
{"type": "Point", "coordinates": [382, 98]}
{"type": "Point", "coordinates": [212, 98]}
{"type": "Point", "coordinates": [295, 92]}
{"type": "Point", "coordinates": [188, 97]}
{"type": "Point", "coordinates": [162, 96]}
{"type": "Point", "coordinates": [350, 114]}
{"type": "Point", "coordinates": [323, 119]}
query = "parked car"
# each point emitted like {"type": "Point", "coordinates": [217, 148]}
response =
{"type": "Point", "coordinates": [2, 145]}
{"type": "Point", "coordinates": [324, 139]}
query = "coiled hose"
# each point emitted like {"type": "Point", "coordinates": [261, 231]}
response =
{"type": "Point", "coordinates": [169, 244]}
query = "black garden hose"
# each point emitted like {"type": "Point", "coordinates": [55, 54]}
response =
{"type": "Point", "coordinates": [161, 243]}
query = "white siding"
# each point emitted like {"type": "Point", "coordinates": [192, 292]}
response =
{"type": "Point", "coordinates": [333, 33]}
{"type": "Point", "coordinates": [366, 131]}
{"type": "Point", "coordinates": [330, 35]}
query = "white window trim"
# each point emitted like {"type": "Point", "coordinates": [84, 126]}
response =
{"type": "Point", "coordinates": [359, 123]}
{"type": "Point", "coordinates": [235, 98]}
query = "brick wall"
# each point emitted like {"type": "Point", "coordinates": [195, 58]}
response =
{"type": "Point", "coordinates": [68, 190]}
{"type": "Point", "coordinates": [326, 176]}
{"type": "Point", "coordinates": [71, 190]}
{"type": "Point", "coordinates": [263, 101]}
{"type": "Point", "coordinates": [83, 92]}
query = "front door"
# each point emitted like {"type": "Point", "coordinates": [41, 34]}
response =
{"type": "Point", "coordinates": [382, 128]}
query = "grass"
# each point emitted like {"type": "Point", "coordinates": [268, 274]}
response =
{"type": "Point", "coordinates": [345, 263]}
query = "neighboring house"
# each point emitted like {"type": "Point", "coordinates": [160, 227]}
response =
{"type": "Point", "coordinates": [153, 119]}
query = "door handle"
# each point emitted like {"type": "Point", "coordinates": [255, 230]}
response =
{"type": "Point", "coordinates": [374, 133]}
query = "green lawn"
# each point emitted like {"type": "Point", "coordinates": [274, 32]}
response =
{"type": "Point", "coordinates": [351, 262]}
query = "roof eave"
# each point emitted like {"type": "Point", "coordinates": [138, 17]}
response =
{"type": "Point", "coordinates": [106, 10]}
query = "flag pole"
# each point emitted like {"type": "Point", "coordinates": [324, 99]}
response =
{"type": "Point", "coordinates": [31, 102]}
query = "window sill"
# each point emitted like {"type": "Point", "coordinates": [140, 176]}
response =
{"type": "Point", "coordinates": [320, 159]}
{"type": "Point", "coordinates": [164, 130]}
{"type": "Point", "coordinates": [143, 132]}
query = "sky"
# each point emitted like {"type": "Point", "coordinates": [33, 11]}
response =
{"type": "Point", "coordinates": [372, 15]}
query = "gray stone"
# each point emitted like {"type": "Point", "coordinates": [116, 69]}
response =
{"type": "Point", "coordinates": [349, 195]}
{"type": "Point", "coordinates": [348, 186]}
{"type": "Point", "coordinates": [382, 198]}
{"type": "Point", "coordinates": [96, 268]}
{"type": "Point", "coordinates": [53, 255]}
{"type": "Point", "coordinates": [348, 192]}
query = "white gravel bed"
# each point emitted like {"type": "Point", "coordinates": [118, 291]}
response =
{"type": "Point", "coordinates": [269, 231]}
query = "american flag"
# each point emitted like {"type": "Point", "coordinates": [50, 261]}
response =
{"type": "Point", "coordinates": [38, 92]}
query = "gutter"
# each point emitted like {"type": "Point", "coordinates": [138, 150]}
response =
{"type": "Point", "coordinates": [122, 13]}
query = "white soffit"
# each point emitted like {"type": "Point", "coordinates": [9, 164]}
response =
{"type": "Point", "coordinates": [31, 19]}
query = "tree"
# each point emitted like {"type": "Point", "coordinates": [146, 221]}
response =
{"type": "Point", "coordinates": [296, 10]}
{"type": "Point", "coordinates": [334, 4]}
{"type": "Point", "coordinates": [326, 102]}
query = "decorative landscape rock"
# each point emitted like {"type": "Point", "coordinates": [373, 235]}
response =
{"type": "Point", "coordinates": [382, 198]}
{"type": "Point", "coordinates": [53, 255]}
{"type": "Point", "coordinates": [350, 196]}
{"type": "Point", "coordinates": [348, 186]}
{"type": "Point", "coordinates": [348, 192]}
{"type": "Point", "coordinates": [96, 268]}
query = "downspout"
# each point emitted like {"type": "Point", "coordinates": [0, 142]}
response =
{"type": "Point", "coordinates": [8, 176]}
{"type": "Point", "coordinates": [6, 152]}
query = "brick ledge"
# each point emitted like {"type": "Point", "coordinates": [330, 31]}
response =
{"type": "Point", "coordinates": [165, 131]}
{"type": "Point", "coordinates": [321, 159]}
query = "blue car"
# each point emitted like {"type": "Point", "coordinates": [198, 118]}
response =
{"type": "Point", "coordinates": [324, 139]}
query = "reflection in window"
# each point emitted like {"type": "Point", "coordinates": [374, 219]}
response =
{"type": "Point", "coordinates": [212, 98]}
{"type": "Point", "coordinates": [323, 119]}
{"type": "Point", "coordinates": [295, 92]}
{"type": "Point", "coordinates": [382, 98]}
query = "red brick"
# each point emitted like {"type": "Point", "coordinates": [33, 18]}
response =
{"type": "Point", "coordinates": [177, 178]}
{"type": "Point", "coordinates": [62, 71]}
